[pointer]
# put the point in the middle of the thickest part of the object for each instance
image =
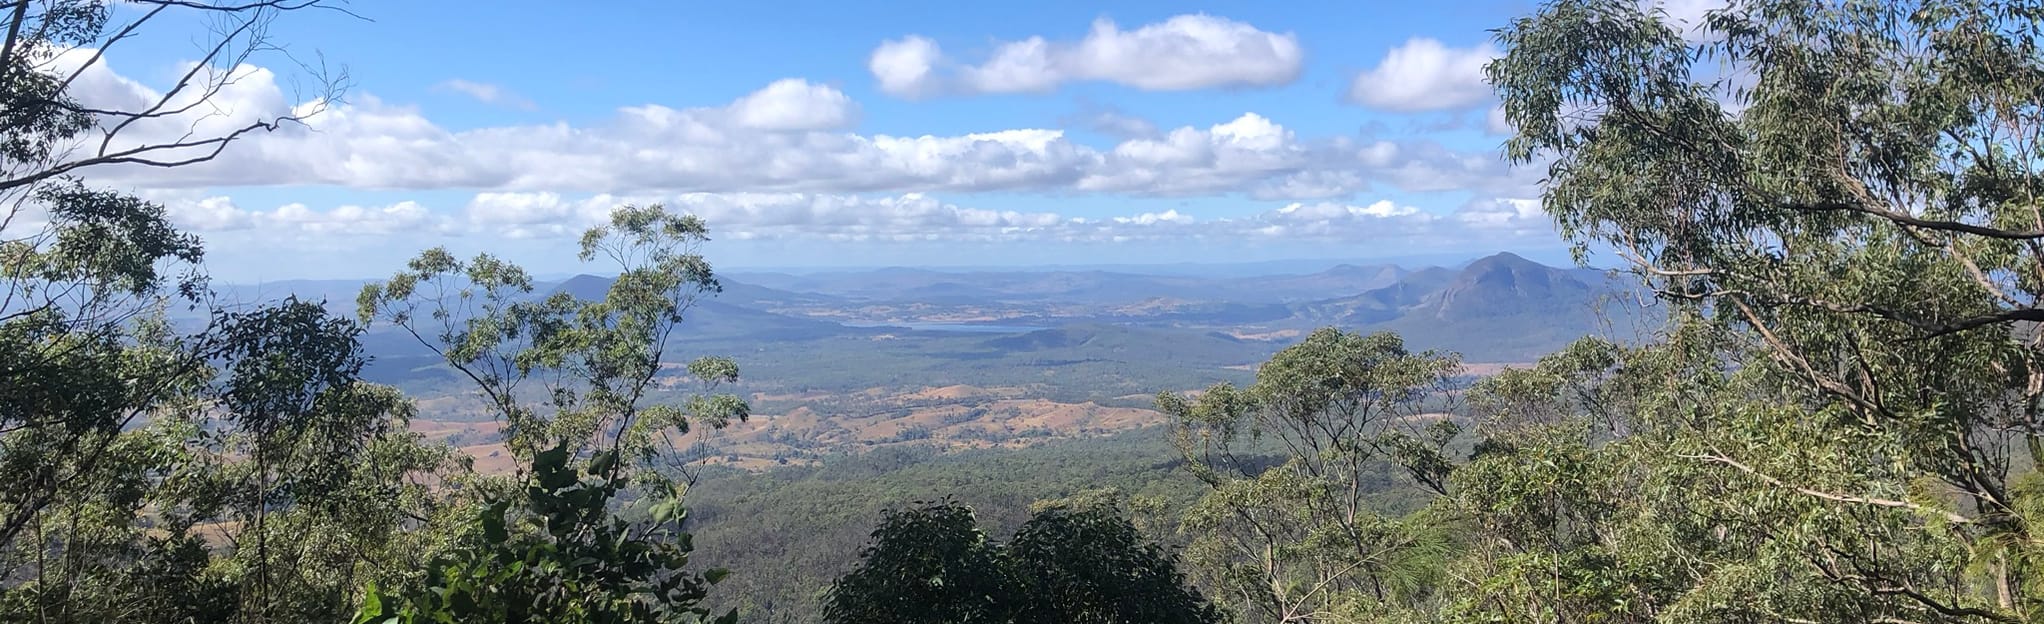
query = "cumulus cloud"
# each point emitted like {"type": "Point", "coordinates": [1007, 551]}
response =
{"type": "Point", "coordinates": [794, 104]}
{"type": "Point", "coordinates": [1181, 53]}
{"type": "Point", "coordinates": [1510, 215]}
{"type": "Point", "coordinates": [238, 97]}
{"type": "Point", "coordinates": [906, 67]}
{"type": "Point", "coordinates": [487, 93]}
{"type": "Point", "coordinates": [1250, 154]}
{"type": "Point", "coordinates": [1423, 75]}
{"type": "Point", "coordinates": [788, 136]}
{"type": "Point", "coordinates": [905, 217]}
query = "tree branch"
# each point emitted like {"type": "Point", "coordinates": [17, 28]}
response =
{"type": "Point", "coordinates": [1842, 498]}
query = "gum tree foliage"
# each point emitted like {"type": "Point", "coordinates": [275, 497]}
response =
{"type": "Point", "coordinates": [556, 551]}
{"type": "Point", "coordinates": [1839, 200]}
{"type": "Point", "coordinates": [315, 468]}
{"type": "Point", "coordinates": [570, 561]}
{"type": "Point", "coordinates": [226, 467]}
{"type": "Point", "coordinates": [596, 362]}
{"type": "Point", "coordinates": [1294, 527]}
{"type": "Point", "coordinates": [930, 563]}
{"type": "Point", "coordinates": [78, 266]}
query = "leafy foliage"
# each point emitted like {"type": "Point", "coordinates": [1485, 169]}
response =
{"type": "Point", "coordinates": [598, 360]}
{"type": "Point", "coordinates": [563, 557]}
{"type": "Point", "coordinates": [1840, 422]}
{"type": "Point", "coordinates": [1844, 206]}
{"type": "Point", "coordinates": [1301, 536]}
{"type": "Point", "coordinates": [808, 523]}
{"type": "Point", "coordinates": [930, 563]}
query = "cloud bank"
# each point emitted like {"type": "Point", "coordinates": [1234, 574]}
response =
{"type": "Point", "coordinates": [790, 135]}
{"type": "Point", "coordinates": [910, 217]}
{"type": "Point", "coordinates": [1182, 53]}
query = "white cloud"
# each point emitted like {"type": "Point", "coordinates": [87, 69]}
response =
{"type": "Point", "coordinates": [1423, 74]}
{"type": "Point", "coordinates": [1312, 184]}
{"type": "Point", "coordinates": [221, 214]}
{"type": "Point", "coordinates": [1188, 52]}
{"type": "Point", "coordinates": [907, 217]}
{"type": "Point", "coordinates": [910, 216]}
{"type": "Point", "coordinates": [241, 95]}
{"type": "Point", "coordinates": [794, 104]}
{"type": "Point", "coordinates": [781, 138]}
{"type": "Point", "coordinates": [1424, 167]}
{"type": "Point", "coordinates": [1250, 153]}
{"type": "Point", "coordinates": [1185, 52]}
{"type": "Point", "coordinates": [1323, 211]}
{"type": "Point", "coordinates": [515, 209]}
{"type": "Point", "coordinates": [1505, 214]}
{"type": "Point", "coordinates": [906, 67]}
{"type": "Point", "coordinates": [1153, 218]}
{"type": "Point", "coordinates": [487, 93]}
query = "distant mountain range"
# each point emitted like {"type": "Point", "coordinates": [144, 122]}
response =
{"type": "Point", "coordinates": [1215, 269]}
{"type": "Point", "coordinates": [1499, 308]}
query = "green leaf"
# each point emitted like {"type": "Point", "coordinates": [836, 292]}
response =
{"type": "Point", "coordinates": [493, 523]}
{"type": "Point", "coordinates": [372, 605]}
{"type": "Point", "coordinates": [603, 462]}
{"type": "Point", "coordinates": [553, 459]}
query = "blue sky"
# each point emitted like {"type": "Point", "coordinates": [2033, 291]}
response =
{"type": "Point", "coordinates": [858, 134]}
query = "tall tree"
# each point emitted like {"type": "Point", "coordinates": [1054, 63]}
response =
{"type": "Point", "coordinates": [555, 550]}
{"type": "Point", "coordinates": [1844, 198]}
{"type": "Point", "coordinates": [265, 489]}
{"type": "Point", "coordinates": [598, 361]}
{"type": "Point", "coordinates": [1296, 526]}
{"type": "Point", "coordinates": [78, 265]}
{"type": "Point", "coordinates": [112, 417]}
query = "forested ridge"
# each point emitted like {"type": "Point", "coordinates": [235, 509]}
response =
{"type": "Point", "coordinates": [1834, 205]}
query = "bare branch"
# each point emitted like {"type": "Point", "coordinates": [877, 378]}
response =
{"type": "Point", "coordinates": [1882, 502]}
{"type": "Point", "coordinates": [1911, 220]}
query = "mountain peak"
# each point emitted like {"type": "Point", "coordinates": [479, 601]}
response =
{"type": "Point", "coordinates": [1504, 258]}
{"type": "Point", "coordinates": [585, 287]}
{"type": "Point", "coordinates": [1507, 282]}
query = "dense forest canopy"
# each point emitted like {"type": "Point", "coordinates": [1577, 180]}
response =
{"type": "Point", "coordinates": [1835, 202]}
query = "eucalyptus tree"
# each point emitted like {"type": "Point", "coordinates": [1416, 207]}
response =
{"type": "Point", "coordinates": [556, 369]}
{"type": "Point", "coordinates": [1842, 199]}
{"type": "Point", "coordinates": [112, 416]}
{"type": "Point", "coordinates": [1297, 525]}
{"type": "Point", "coordinates": [80, 266]}
{"type": "Point", "coordinates": [547, 544]}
